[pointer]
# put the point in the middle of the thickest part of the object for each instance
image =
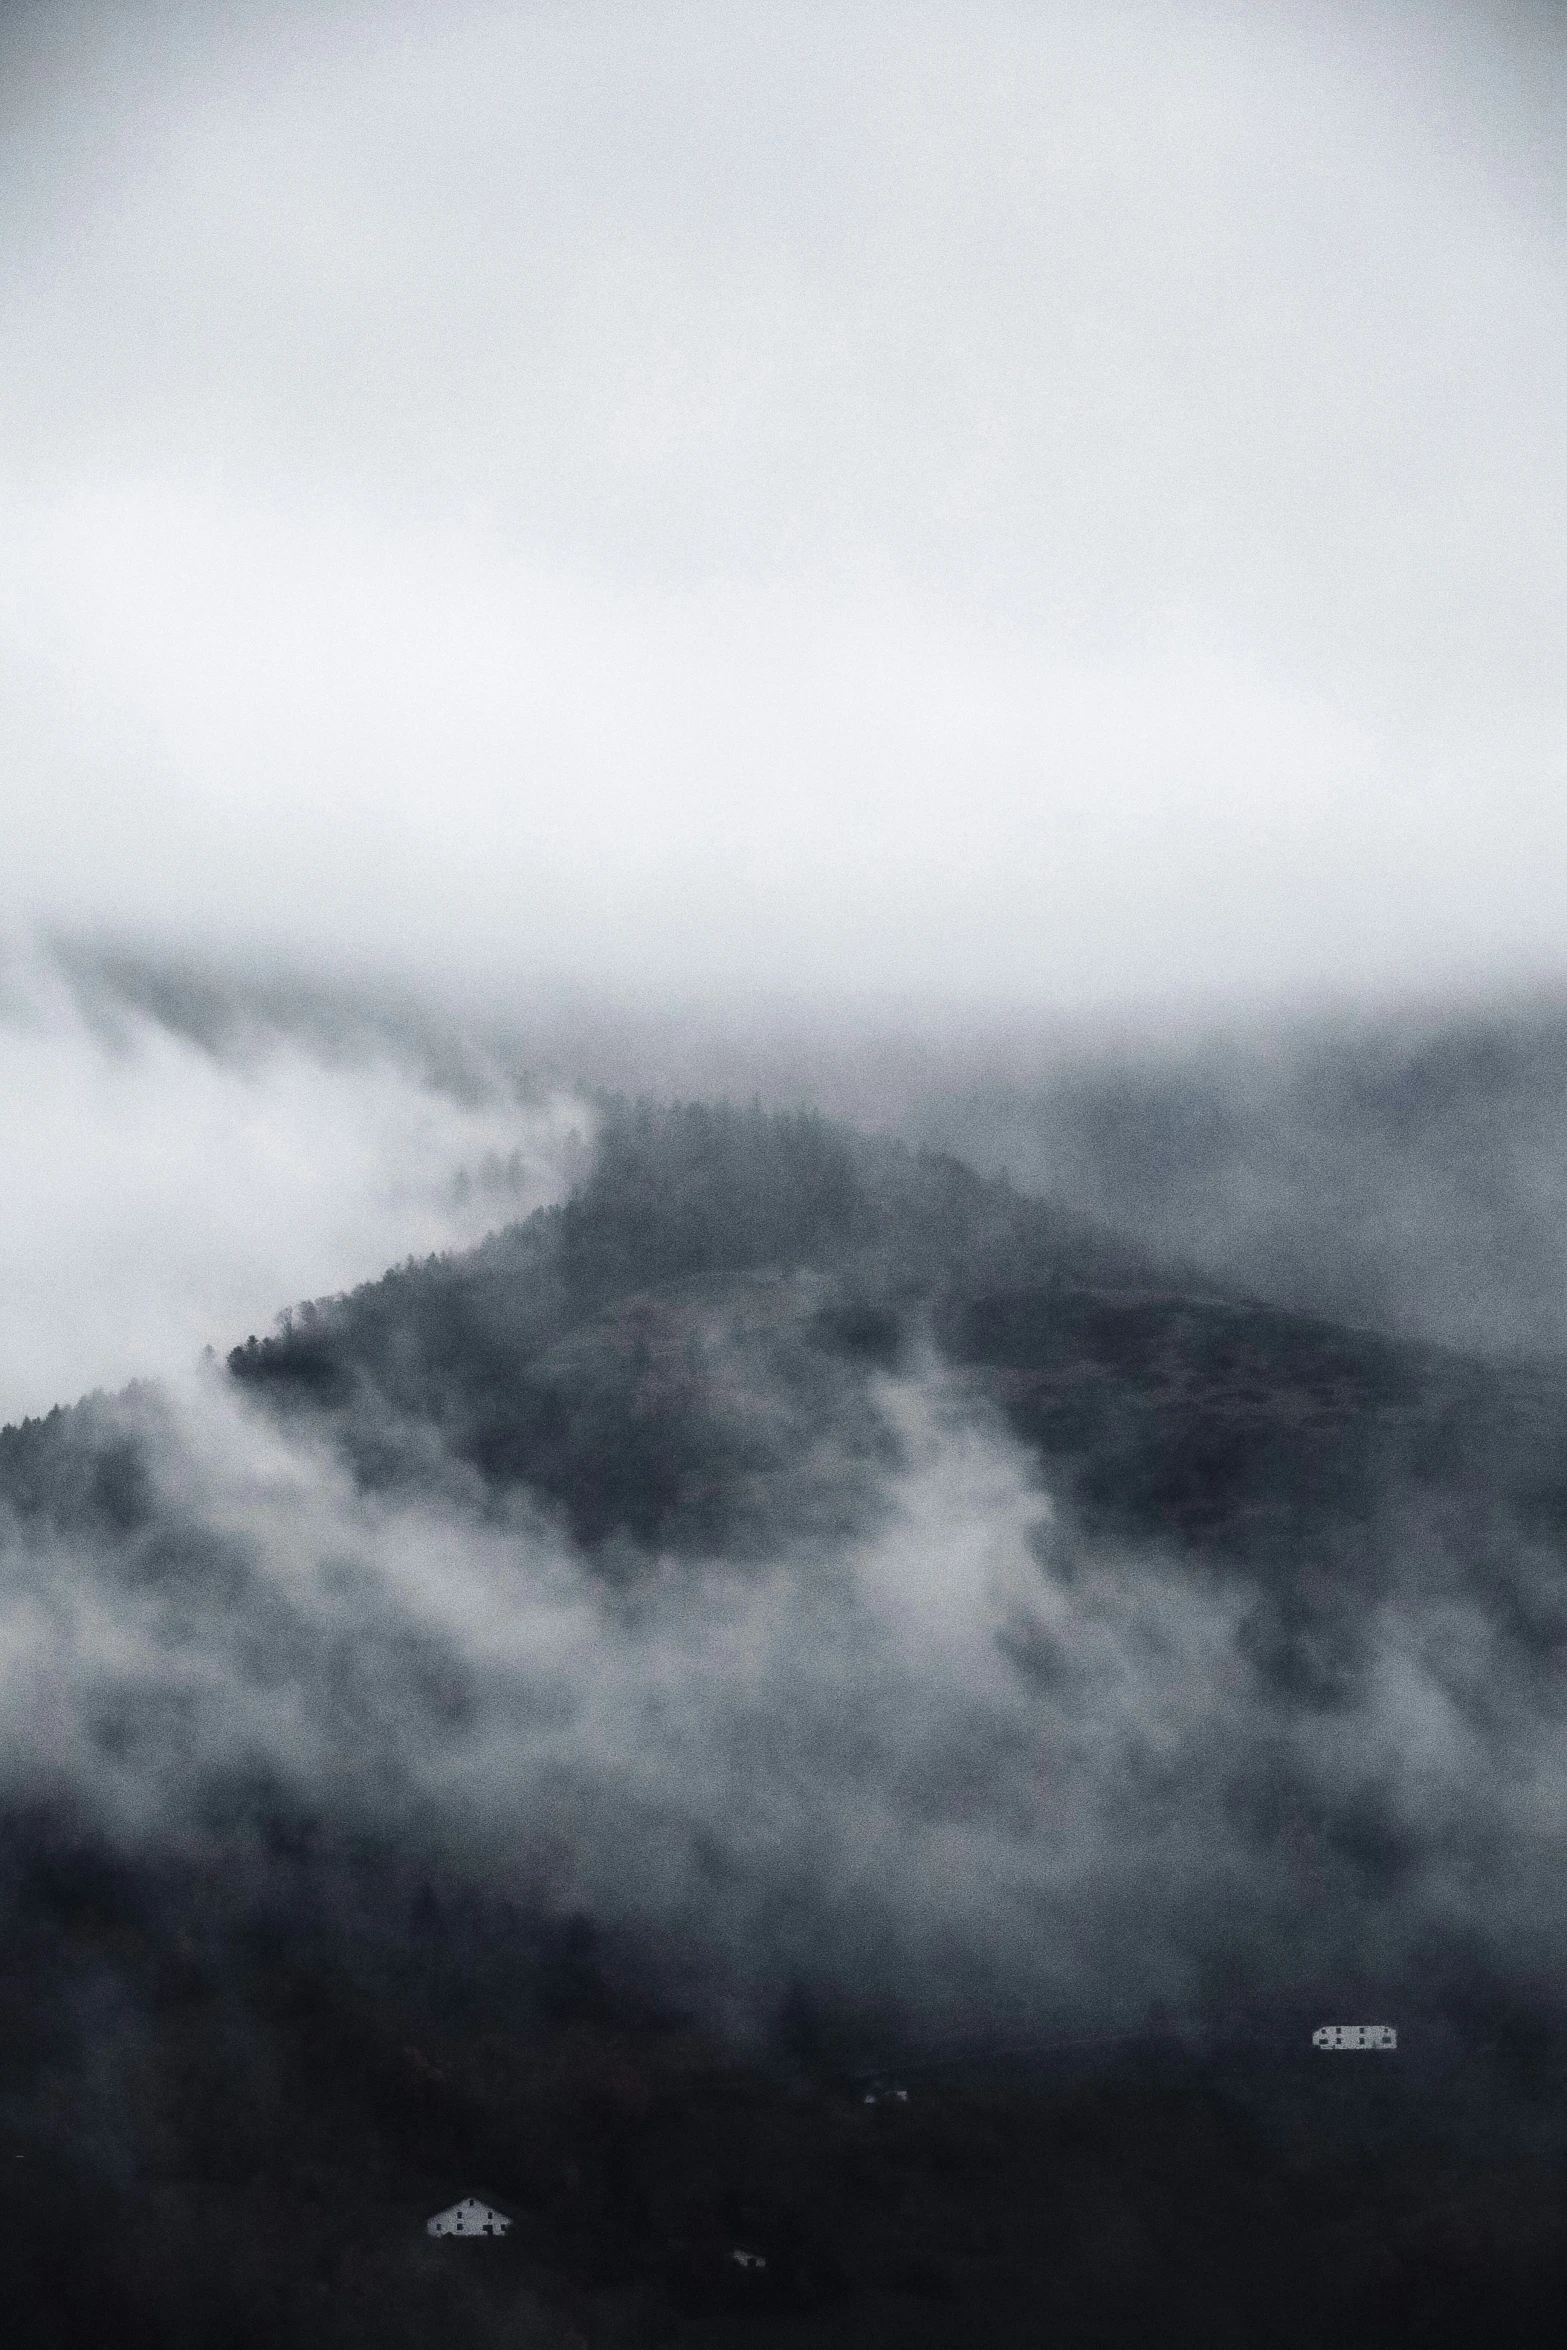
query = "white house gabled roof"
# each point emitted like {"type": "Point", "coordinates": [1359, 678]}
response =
{"type": "Point", "coordinates": [470, 2217]}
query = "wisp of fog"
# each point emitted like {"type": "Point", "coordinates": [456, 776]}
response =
{"type": "Point", "coordinates": [159, 1195]}
{"type": "Point", "coordinates": [958, 1767]}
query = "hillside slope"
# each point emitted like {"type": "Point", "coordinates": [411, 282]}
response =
{"type": "Point", "coordinates": [665, 1356]}
{"type": "Point", "coordinates": [549, 1722]}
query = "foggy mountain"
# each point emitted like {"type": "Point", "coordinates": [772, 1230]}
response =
{"type": "Point", "coordinates": [554, 1715]}
{"type": "Point", "coordinates": [813, 1702]}
{"type": "Point", "coordinates": [1395, 1168]}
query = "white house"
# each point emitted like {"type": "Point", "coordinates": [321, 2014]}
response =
{"type": "Point", "coordinates": [1354, 2036]}
{"type": "Point", "coordinates": [470, 2217]}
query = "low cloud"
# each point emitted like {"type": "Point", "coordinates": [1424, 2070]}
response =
{"type": "Point", "coordinates": [159, 1194]}
{"type": "Point", "coordinates": [960, 1767]}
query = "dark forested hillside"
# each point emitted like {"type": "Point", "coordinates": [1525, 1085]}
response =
{"type": "Point", "coordinates": [596, 1355]}
{"type": "Point", "coordinates": [798, 1702]}
{"type": "Point", "coordinates": [667, 1354]}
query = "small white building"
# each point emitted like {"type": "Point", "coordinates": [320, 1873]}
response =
{"type": "Point", "coordinates": [470, 2217]}
{"type": "Point", "coordinates": [1379, 2036]}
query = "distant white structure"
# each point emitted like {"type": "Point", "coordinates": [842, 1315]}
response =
{"type": "Point", "coordinates": [1354, 2036]}
{"type": "Point", "coordinates": [749, 2259]}
{"type": "Point", "coordinates": [470, 2217]}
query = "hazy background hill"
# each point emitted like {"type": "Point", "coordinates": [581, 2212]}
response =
{"type": "Point", "coordinates": [1412, 1175]}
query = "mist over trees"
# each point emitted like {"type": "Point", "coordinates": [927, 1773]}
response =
{"type": "Point", "coordinates": [796, 1605]}
{"type": "Point", "coordinates": [593, 1353]}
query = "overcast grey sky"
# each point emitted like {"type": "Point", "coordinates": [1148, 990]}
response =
{"type": "Point", "coordinates": [1030, 506]}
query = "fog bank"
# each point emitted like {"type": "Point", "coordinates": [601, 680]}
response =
{"type": "Point", "coordinates": [157, 1197]}
{"type": "Point", "coordinates": [959, 1767]}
